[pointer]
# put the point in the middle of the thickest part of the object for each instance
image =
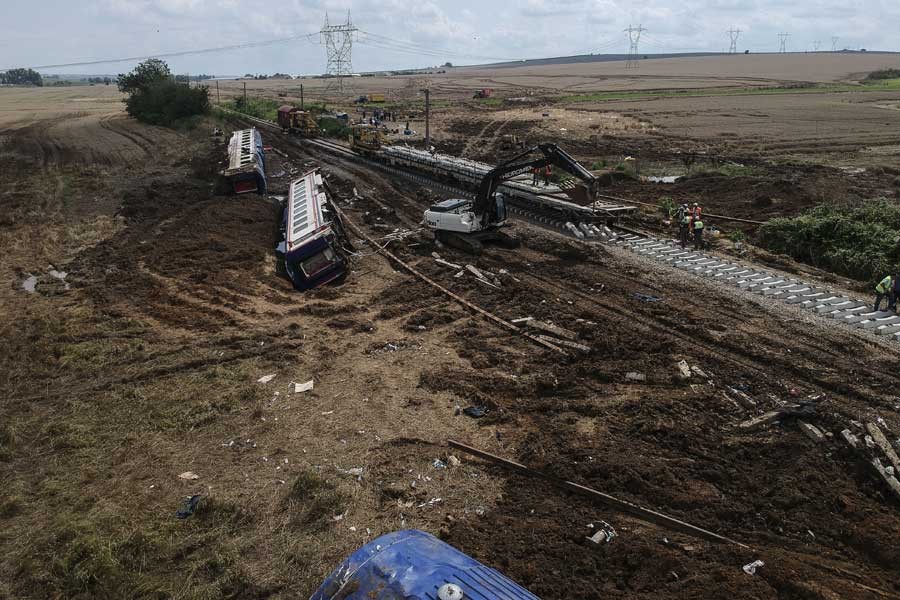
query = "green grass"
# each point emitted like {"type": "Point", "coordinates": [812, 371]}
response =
{"type": "Point", "coordinates": [261, 108]}
{"type": "Point", "coordinates": [856, 240]}
{"type": "Point", "coordinates": [489, 101]}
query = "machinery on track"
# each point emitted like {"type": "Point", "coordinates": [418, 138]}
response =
{"type": "Point", "coordinates": [469, 224]}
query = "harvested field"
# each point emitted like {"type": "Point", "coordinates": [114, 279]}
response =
{"type": "Point", "coordinates": [144, 362]}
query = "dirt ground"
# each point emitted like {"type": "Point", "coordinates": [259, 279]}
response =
{"type": "Point", "coordinates": [143, 364]}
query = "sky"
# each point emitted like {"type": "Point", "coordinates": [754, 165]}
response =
{"type": "Point", "coordinates": [397, 34]}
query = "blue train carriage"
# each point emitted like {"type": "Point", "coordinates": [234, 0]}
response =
{"type": "Point", "coordinates": [246, 171]}
{"type": "Point", "coordinates": [313, 242]}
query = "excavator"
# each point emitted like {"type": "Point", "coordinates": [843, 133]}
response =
{"type": "Point", "coordinates": [468, 225]}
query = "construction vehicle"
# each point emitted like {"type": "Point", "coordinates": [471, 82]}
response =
{"type": "Point", "coordinates": [366, 139]}
{"type": "Point", "coordinates": [467, 224]}
{"type": "Point", "coordinates": [365, 99]}
{"type": "Point", "coordinates": [484, 93]}
{"type": "Point", "coordinates": [412, 564]}
{"type": "Point", "coordinates": [297, 121]}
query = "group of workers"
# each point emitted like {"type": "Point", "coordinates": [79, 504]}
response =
{"type": "Point", "coordinates": [690, 225]}
{"type": "Point", "coordinates": [536, 173]}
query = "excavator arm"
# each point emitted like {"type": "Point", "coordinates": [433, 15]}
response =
{"type": "Point", "coordinates": [485, 205]}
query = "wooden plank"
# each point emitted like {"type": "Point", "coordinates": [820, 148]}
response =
{"type": "Point", "coordinates": [645, 514]}
{"type": "Point", "coordinates": [882, 442]}
{"type": "Point", "coordinates": [765, 419]}
{"type": "Point", "coordinates": [552, 329]}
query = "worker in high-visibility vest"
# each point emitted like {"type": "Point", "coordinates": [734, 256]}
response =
{"type": "Point", "coordinates": [885, 289]}
{"type": "Point", "coordinates": [696, 211]}
{"type": "Point", "coordinates": [535, 176]}
{"type": "Point", "coordinates": [698, 233]}
{"type": "Point", "coordinates": [547, 173]}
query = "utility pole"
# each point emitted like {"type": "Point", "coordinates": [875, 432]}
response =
{"type": "Point", "coordinates": [301, 96]}
{"type": "Point", "coordinates": [634, 36]}
{"type": "Point", "coordinates": [816, 45]}
{"type": "Point", "coordinates": [834, 41]}
{"type": "Point", "coordinates": [783, 38]}
{"type": "Point", "coordinates": [218, 97]}
{"type": "Point", "coordinates": [245, 94]}
{"type": "Point", "coordinates": [733, 34]}
{"type": "Point", "coordinates": [427, 119]}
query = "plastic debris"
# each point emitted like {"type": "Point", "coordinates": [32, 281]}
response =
{"type": "Point", "coordinates": [266, 378]}
{"type": "Point", "coordinates": [604, 534]}
{"type": "Point", "coordinates": [190, 475]}
{"type": "Point", "coordinates": [750, 569]}
{"type": "Point", "coordinates": [453, 461]}
{"type": "Point", "coordinates": [297, 388]}
{"type": "Point", "coordinates": [476, 412]}
{"type": "Point", "coordinates": [645, 297]}
{"type": "Point", "coordinates": [190, 505]}
{"type": "Point", "coordinates": [684, 371]}
{"type": "Point", "coordinates": [439, 464]}
{"type": "Point", "coordinates": [635, 376]}
{"type": "Point", "coordinates": [450, 591]}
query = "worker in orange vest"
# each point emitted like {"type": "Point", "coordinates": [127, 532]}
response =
{"type": "Point", "coordinates": [696, 211]}
{"type": "Point", "coordinates": [535, 174]}
{"type": "Point", "coordinates": [547, 173]}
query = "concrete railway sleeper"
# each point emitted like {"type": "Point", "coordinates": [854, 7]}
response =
{"type": "Point", "coordinates": [812, 297]}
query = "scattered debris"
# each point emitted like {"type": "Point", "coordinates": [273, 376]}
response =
{"type": "Point", "coordinates": [699, 372]}
{"type": "Point", "coordinates": [635, 376]}
{"type": "Point", "coordinates": [439, 464]}
{"type": "Point", "coordinates": [474, 271]}
{"type": "Point", "coordinates": [297, 388]}
{"type": "Point", "coordinates": [453, 461]}
{"type": "Point", "coordinates": [684, 371]}
{"type": "Point", "coordinates": [30, 283]}
{"type": "Point", "coordinates": [431, 502]}
{"type": "Point", "coordinates": [190, 475]}
{"type": "Point", "coordinates": [565, 343]}
{"type": "Point", "coordinates": [789, 410]}
{"type": "Point", "coordinates": [645, 297]}
{"type": "Point", "coordinates": [552, 329]}
{"type": "Point", "coordinates": [882, 442]}
{"type": "Point", "coordinates": [266, 378]}
{"type": "Point", "coordinates": [354, 471]}
{"type": "Point", "coordinates": [735, 394]}
{"type": "Point", "coordinates": [750, 569]}
{"type": "Point", "coordinates": [812, 432]}
{"type": "Point", "coordinates": [190, 506]}
{"type": "Point", "coordinates": [522, 320]}
{"type": "Point", "coordinates": [445, 263]}
{"type": "Point", "coordinates": [604, 533]}
{"type": "Point", "coordinates": [475, 412]}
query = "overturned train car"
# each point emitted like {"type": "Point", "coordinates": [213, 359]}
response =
{"type": "Point", "coordinates": [246, 171]}
{"type": "Point", "coordinates": [313, 247]}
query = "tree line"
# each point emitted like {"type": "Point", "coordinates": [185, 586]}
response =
{"type": "Point", "coordinates": [21, 77]}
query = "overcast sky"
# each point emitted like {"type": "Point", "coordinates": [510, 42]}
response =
{"type": "Point", "coordinates": [461, 31]}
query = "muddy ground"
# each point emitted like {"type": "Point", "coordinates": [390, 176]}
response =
{"type": "Point", "coordinates": [146, 367]}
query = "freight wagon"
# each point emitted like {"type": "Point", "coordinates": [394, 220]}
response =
{"type": "Point", "coordinates": [312, 246]}
{"type": "Point", "coordinates": [246, 171]}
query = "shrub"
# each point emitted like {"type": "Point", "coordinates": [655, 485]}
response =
{"type": "Point", "coordinates": [858, 241]}
{"type": "Point", "coordinates": [155, 98]}
{"type": "Point", "coordinates": [666, 206]}
{"type": "Point", "coordinates": [883, 74]}
{"type": "Point", "coordinates": [261, 108]}
{"type": "Point", "coordinates": [332, 127]}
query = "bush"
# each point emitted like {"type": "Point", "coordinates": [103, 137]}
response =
{"type": "Point", "coordinates": [883, 74]}
{"type": "Point", "coordinates": [859, 241]}
{"type": "Point", "coordinates": [155, 98]}
{"type": "Point", "coordinates": [335, 128]}
{"type": "Point", "coordinates": [666, 206]}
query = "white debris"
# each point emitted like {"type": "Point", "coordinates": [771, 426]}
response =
{"type": "Point", "coordinates": [684, 371]}
{"type": "Point", "coordinates": [30, 283]}
{"type": "Point", "coordinates": [635, 376]}
{"type": "Point", "coordinates": [453, 461]}
{"type": "Point", "coordinates": [189, 475]}
{"type": "Point", "coordinates": [297, 388]}
{"type": "Point", "coordinates": [266, 378]}
{"type": "Point", "coordinates": [750, 569]}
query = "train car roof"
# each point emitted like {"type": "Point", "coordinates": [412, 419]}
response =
{"type": "Point", "coordinates": [305, 212]}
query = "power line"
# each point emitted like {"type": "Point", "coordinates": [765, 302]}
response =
{"type": "Point", "coordinates": [783, 41]}
{"type": "Point", "coordinates": [834, 41]}
{"type": "Point", "coordinates": [307, 37]}
{"type": "Point", "coordinates": [634, 37]}
{"type": "Point", "coordinates": [816, 45]}
{"type": "Point", "coordinates": [733, 34]}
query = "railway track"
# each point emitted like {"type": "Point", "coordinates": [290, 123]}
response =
{"type": "Point", "coordinates": [543, 210]}
{"type": "Point", "coordinates": [579, 222]}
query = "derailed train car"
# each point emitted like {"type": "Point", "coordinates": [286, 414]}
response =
{"type": "Point", "coordinates": [246, 171]}
{"type": "Point", "coordinates": [313, 239]}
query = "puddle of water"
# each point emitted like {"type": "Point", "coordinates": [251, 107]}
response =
{"type": "Point", "coordinates": [664, 179]}
{"type": "Point", "coordinates": [29, 284]}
